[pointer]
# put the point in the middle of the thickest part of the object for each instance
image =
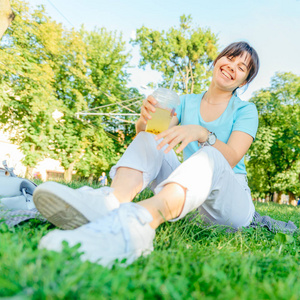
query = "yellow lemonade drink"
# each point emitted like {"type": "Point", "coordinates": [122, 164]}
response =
{"type": "Point", "coordinates": [160, 120]}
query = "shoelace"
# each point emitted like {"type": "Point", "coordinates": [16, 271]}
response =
{"type": "Point", "coordinates": [25, 195]}
{"type": "Point", "coordinates": [118, 219]}
{"type": "Point", "coordinates": [28, 199]}
{"type": "Point", "coordinates": [9, 170]}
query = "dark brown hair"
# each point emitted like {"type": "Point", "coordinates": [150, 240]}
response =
{"type": "Point", "coordinates": [238, 49]}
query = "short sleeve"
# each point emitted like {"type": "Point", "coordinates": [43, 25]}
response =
{"type": "Point", "coordinates": [246, 119]}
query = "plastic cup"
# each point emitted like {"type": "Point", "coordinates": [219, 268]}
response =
{"type": "Point", "coordinates": [167, 101]}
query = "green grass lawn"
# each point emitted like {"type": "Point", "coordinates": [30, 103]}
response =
{"type": "Point", "coordinates": [190, 261]}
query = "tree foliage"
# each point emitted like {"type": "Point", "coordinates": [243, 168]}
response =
{"type": "Point", "coordinates": [47, 69]}
{"type": "Point", "coordinates": [274, 164]}
{"type": "Point", "coordinates": [109, 63]}
{"type": "Point", "coordinates": [26, 86]}
{"type": "Point", "coordinates": [189, 51]}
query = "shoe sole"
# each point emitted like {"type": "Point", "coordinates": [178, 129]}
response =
{"type": "Point", "coordinates": [57, 211]}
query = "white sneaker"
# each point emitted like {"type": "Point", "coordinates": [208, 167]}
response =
{"type": "Point", "coordinates": [23, 202]}
{"type": "Point", "coordinates": [17, 193]}
{"type": "Point", "coordinates": [68, 208]}
{"type": "Point", "coordinates": [123, 233]}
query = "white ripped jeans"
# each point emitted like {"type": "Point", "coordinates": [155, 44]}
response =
{"type": "Point", "coordinates": [212, 187]}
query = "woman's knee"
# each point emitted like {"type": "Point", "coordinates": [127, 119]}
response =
{"type": "Point", "coordinates": [145, 136]}
{"type": "Point", "coordinates": [215, 157]}
{"type": "Point", "coordinates": [212, 152]}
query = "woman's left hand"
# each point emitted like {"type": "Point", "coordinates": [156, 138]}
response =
{"type": "Point", "coordinates": [181, 134]}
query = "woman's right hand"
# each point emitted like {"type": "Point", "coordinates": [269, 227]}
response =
{"type": "Point", "coordinates": [147, 107]}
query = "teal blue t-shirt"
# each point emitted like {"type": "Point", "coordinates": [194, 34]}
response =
{"type": "Point", "coordinates": [238, 116]}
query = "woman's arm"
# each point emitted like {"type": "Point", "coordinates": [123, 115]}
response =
{"type": "Point", "coordinates": [238, 144]}
{"type": "Point", "coordinates": [236, 147]}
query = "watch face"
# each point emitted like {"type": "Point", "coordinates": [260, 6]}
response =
{"type": "Point", "coordinates": [212, 139]}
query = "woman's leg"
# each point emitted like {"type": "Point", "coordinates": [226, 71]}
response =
{"type": "Point", "coordinates": [140, 165]}
{"type": "Point", "coordinates": [127, 183]}
{"type": "Point", "coordinates": [166, 205]}
{"type": "Point", "coordinates": [127, 232]}
{"type": "Point", "coordinates": [205, 182]}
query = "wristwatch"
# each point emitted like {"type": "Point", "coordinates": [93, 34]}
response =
{"type": "Point", "coordinates": [211, 139]}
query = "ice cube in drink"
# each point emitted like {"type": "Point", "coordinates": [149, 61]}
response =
{"type": "Point", "coordinates": [160, 120]}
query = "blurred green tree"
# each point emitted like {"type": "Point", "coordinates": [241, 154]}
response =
{"type": "Point", "coordinates": [189, 51]}
{"type": "Point", "coordinates": [27, 99]}
{"type": "Point", "coordinates": [48, 75]}
{"type": "Point", "coordinates": [108, 68]}
{"type": "Point", "coordinates": [273, 164]}
{"type": "Point", "coordinates": [73, 137]}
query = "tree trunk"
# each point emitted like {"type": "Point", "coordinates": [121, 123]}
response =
{"type": "Point", "coordinates": [192, 77]}
{"type": "Point", "coordinates": [275, 197]}
{"type": "Point", "coordinates": [6, 16]}
{"type": "Point", "coordinates": [280, 200]}
{"type": "Point", "coordinates": [292, 199]}
{"type": "Point", "coordinates": [68, 172]}
{"type": "Point", "coordinates": [186, 80]}
{"type": "Point", "coordinates": [29, 172]}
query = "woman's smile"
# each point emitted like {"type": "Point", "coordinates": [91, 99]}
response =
{"type": "Point", "coordinates": [226, 74]}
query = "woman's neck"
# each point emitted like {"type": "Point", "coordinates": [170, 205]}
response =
{"type": "Point", "coordinates": [216, 96]}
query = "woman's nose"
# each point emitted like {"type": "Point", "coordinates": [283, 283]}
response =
{"type": "Point", "coordinates": [230, 67]}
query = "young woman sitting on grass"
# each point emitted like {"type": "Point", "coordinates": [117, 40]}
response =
{"type": "Point", "coordinates": [213, 129]}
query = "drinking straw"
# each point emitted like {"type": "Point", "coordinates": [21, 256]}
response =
{"type": "Point", "coordinates": [173, 80]}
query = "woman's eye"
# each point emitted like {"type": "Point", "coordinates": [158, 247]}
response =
{"type": "Point", "coordinates": [229, 57]}
{"type": "Point", "coordinates": [241, 69]}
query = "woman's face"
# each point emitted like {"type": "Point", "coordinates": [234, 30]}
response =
{"type": "Point", "coordinates": [231, 72]}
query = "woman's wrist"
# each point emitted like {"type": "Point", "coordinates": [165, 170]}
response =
{"type": "Point", "coordinates": [203, 135]}
{"type": "Point", "coordinates": [140, 126]}
{"type": "Point", "coordinates": [210, 139]}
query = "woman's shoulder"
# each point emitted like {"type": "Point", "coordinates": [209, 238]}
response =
{"type": "Point", "coordinates": [242, 108]}
{"type": "Point", "coordinates": [242, 104]}
{"type": "Point", "coordinates": [191, 97]}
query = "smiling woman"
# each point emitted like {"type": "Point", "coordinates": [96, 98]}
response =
{"type": "Point", "coordinates": [214, 130]}
{"type": "Point", "coordinates": [249, 58]}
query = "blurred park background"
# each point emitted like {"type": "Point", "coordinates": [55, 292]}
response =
{"type": "Point", "coordinates": [70, 93]}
